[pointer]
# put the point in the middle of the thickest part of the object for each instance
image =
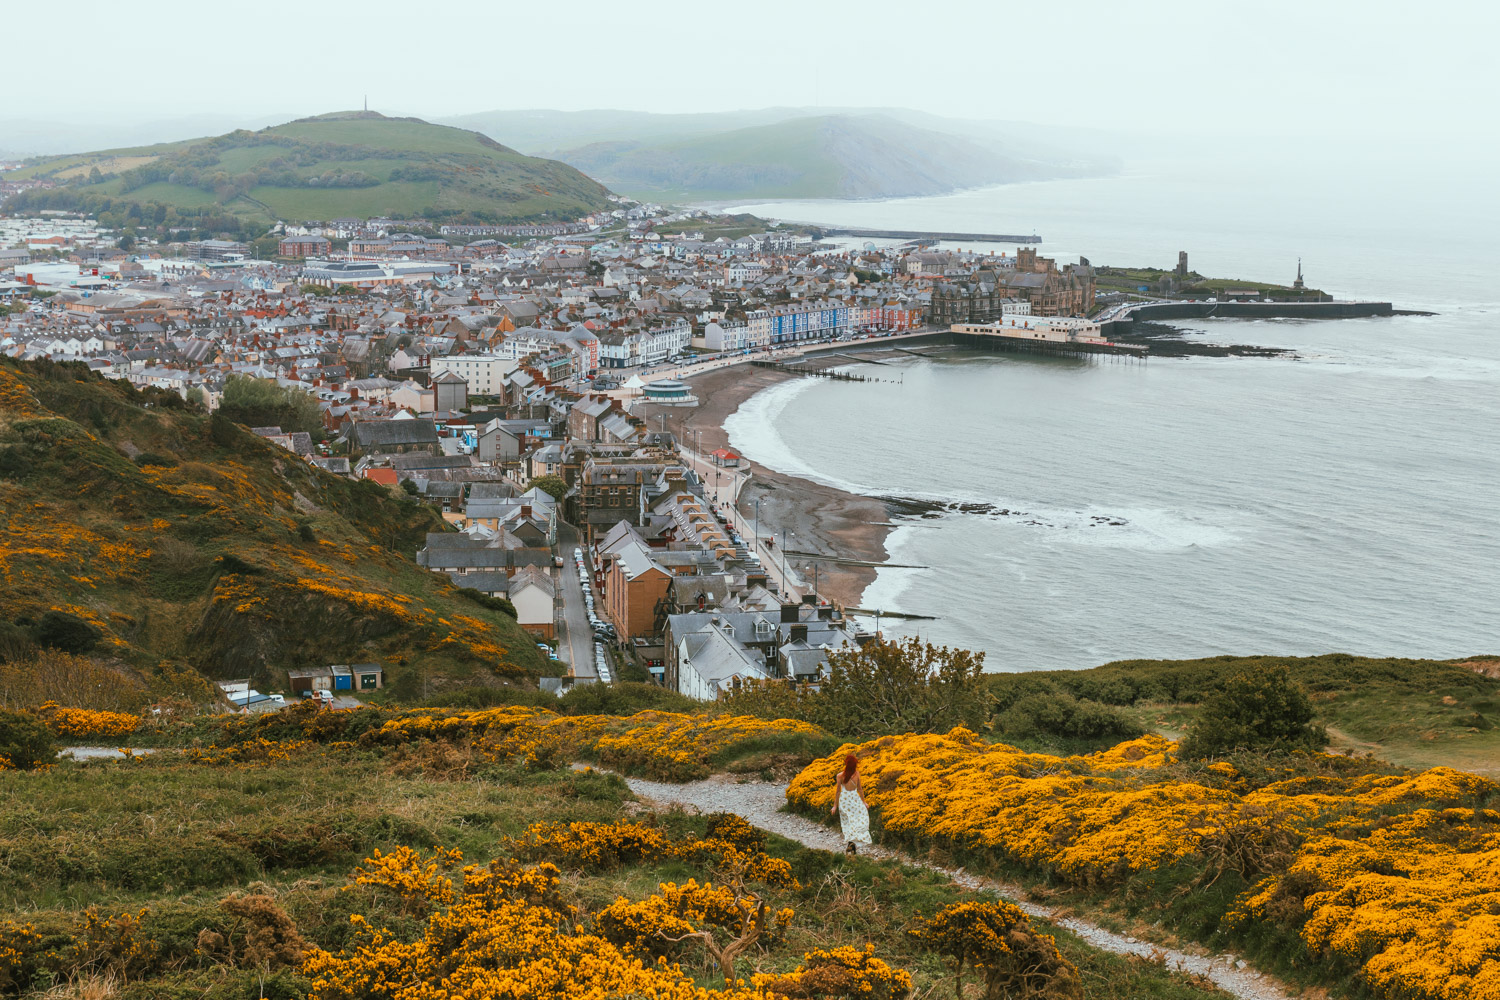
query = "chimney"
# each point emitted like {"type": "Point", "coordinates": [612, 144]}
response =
{"type": "Point", "coordinates": [791, 613]}
{"type": "Point", "coordinates": [825, 614]}
{"type": "Point", "coordinates": [526, 510]}
{"type": "Point", "coordinates": [798, 633]}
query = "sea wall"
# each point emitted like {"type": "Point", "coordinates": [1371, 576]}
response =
{"type": "Point", "coordinates": [1249, 310]}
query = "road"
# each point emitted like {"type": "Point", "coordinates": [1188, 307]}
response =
{"type": "Point", "coordinates": [725, 484]}
{"type": "Point", "coordinates": [575, 640]}
{"type": "Point", "coordinates": [771, 354]}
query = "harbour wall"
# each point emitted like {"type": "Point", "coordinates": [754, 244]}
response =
{"type": "Point", "coordinates": [1249, 310]}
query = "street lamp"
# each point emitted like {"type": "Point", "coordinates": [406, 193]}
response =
{"type": "Point", "coordinates": [755, 542]}
{"type": "Point", "coordinates": [786, 584]}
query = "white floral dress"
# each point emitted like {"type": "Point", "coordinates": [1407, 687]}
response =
{"type": "Point", "coordinates": [854, 818]}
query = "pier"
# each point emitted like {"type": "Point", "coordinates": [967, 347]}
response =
{"type": "Point", "coordinates": [912, 234]}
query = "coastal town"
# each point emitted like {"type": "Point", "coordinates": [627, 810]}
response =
{"type": "Point", "coordinates": [472, 366]}
{"type": "Point", "coordinates": [557, 391]}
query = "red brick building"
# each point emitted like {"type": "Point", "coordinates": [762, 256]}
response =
{"type": "Point", "coordinates": [303, 246]}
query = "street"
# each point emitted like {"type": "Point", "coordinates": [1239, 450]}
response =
{"type": "Point", "coordinates": [575, 640]}
{"type": "Point", "coordinates": [726, 483]}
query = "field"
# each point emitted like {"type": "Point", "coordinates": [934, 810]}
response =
{"type": "Point", "coordinates": [205, 875]}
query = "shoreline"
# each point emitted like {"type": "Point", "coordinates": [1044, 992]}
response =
{"type": "Point", "coordinates": [820, 518]}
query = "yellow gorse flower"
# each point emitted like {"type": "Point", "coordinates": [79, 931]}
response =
{"type": "Point", "coordinates": [1398, 874]}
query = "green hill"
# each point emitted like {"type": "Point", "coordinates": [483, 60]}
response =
{"type": "Point", "coordinates": [176, 536]}
{"type": "Point", "coordinates": [346, 164]}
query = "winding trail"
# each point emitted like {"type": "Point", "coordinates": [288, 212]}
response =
{"type": "Point", "coordinates": [760, 803]}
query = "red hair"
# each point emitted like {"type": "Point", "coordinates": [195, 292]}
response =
{"type": "Point", "coordinates": [850, 763]}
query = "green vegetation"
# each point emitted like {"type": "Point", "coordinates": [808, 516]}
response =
{"type": "Point", "coordinates": [1416, 713]}
{"type": "Point", "coordinates": [900, 686]}
{"type": "Point", "coordinates": [209, 880]}
{"type": "Point", "coordinates": [1263, 711]}
{"type": "Point", "coordinates": [355, 163]}
{"type": "Point", "coordinates": [554, 486]}
{"type": "Point", "coordinates": [214, 547]}
{"type": "Point", "coordinates": [25, 743]}
{"type": "Point", "coordinates": [258, 402]}
{"type": "Point", "coordinates": [731, 227]}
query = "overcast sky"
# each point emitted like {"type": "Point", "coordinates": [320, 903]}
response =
{"type": "Point", "coordinates": [1410, 71]}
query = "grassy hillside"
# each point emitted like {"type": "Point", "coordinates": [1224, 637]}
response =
{"type": "Point", "coordinates": [1416, 713]}
{"type": "Point", "coordinates": [258, 870]}
{"type": "Point", "coordinates": [182, 537]}
{"type": "Point", "coordinates": [349, 163]}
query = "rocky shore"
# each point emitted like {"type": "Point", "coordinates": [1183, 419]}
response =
{"type": "Point", "coordinates": [1169, 342]}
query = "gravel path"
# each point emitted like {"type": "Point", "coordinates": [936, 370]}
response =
{"type": "Point", "coordinates": [760, 803]}
{"type": "Point", "coordinates": [98, 753]}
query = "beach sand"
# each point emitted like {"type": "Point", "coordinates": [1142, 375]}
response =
{"type": "Point", "coordinates": [821, 519]}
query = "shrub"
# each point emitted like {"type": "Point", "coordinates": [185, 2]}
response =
{"type": "Point", "coordinates": [996, 939]}
{"type": "Point", "coordinates": [66, 632]}
{"type": "Point", "coordinates": [500, 604]}
{"type": "Point", "coordinates": [1062, 715]}
{"type": "Point", "coordinates": [152, 458]}
{"type": "Point", "coordinates": [25, 743]}
{"type": "Point", "coordinates": [623, 699]}
{"type": "Point", "coordinates": [1255, 711]}
{"type": "Point", "coordinates": [907, 686]}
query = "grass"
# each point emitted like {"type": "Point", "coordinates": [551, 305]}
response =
{"type": "Point", "coordinates": [177, 838]}
{"type": "Point", "coordinates": [393, 198]}
{"type": "Point", "coordinates": [1414, 713]}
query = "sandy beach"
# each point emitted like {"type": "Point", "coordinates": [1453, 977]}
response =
{"type": "Point", "coordinates": [822, 519]}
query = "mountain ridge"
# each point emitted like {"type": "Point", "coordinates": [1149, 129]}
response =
{"type": "Point", "coordinates": [797, 152]}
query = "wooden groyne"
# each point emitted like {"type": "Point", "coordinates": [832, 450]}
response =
{"type": "Point", "coordinates": [794, 369]}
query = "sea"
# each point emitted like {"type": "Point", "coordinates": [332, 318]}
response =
{"type": "Point", "coordinates": [1345, 498]}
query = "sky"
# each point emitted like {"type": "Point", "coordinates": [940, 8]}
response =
{"type": "Point", "coordinates": [1305, 68]}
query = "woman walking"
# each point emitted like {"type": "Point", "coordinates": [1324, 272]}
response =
{"type": "Point", "coordinates": [850, 807]}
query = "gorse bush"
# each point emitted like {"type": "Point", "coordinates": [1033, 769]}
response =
{"type": "Point", "coordinates": [1330, 859]}
{"type": "Point", "coordinates": [996, 940]}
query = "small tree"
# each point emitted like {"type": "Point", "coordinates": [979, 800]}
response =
{"type": "Point", "coordinates": [907, 686]}
{"type": "Point", "coordinates": [996, 940]}
{"type": "Point", "coordinates": [25, 743]}
{"type": "Point", "coordinates": [1255, 711]}
{"type": "Point", "coordinates": [549, 484]}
